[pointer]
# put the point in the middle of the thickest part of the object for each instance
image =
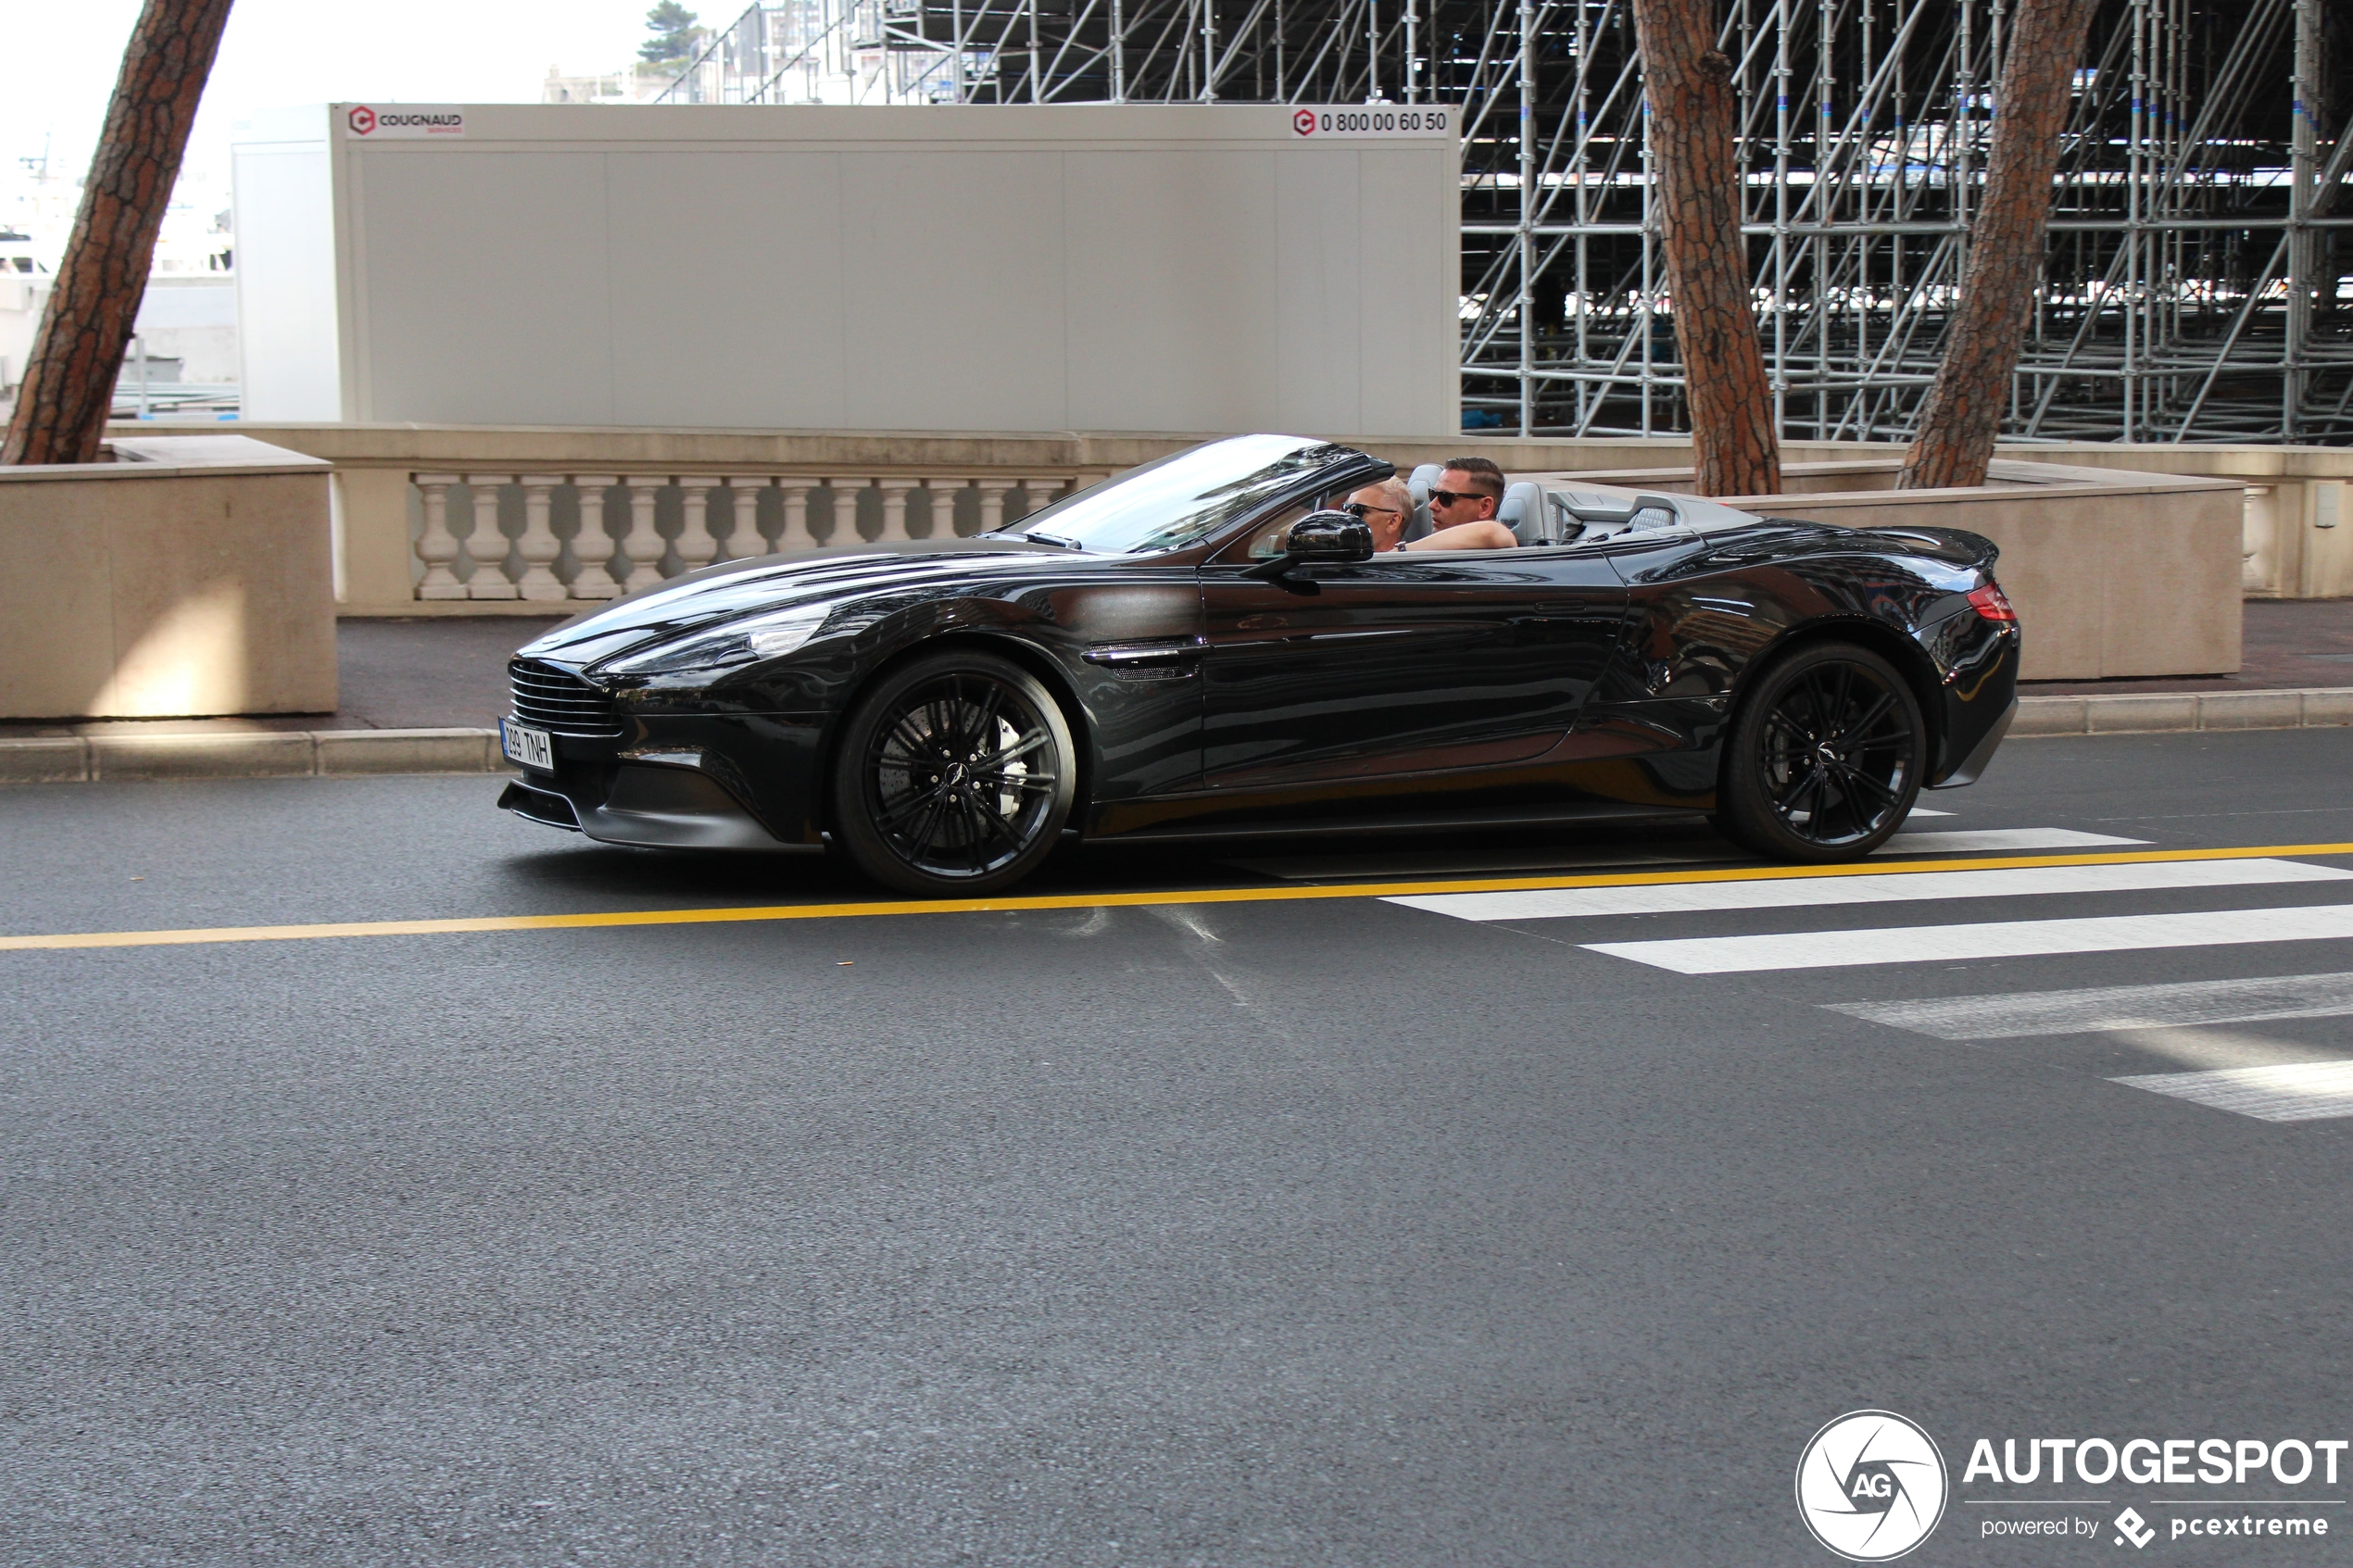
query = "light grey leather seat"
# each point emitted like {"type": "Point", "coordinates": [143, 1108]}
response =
{"type": "Point", "coordinates": [1419, 484]}
{"type": "Point", "coordinates": [1527, 513]}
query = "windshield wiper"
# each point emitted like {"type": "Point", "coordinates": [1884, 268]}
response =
{"type": "Point", "coordinates": [1055, 539]}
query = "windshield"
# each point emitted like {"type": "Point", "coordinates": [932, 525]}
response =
{"type": "Point", "coordinates": [1184, 500]}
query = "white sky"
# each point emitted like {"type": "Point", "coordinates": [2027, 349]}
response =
{"type": "Point", "coordinates": [304, 51]}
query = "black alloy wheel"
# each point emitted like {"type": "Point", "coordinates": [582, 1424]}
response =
{"type": "Point", "coordinates": [955, 775]}
{"type": "Point", "coordinates": [1825, 757]}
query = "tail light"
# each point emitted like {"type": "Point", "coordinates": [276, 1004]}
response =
{"type": "Point", "coordinates": [1992, 603]}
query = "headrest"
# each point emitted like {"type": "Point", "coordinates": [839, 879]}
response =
{"type": "Point", "coordinates": [1418, 484]}
{"type": "Point", "coordinates": [1523, 511]}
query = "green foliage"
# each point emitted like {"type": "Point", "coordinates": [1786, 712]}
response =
{"type": "Point", "coordinates": [675, 36]}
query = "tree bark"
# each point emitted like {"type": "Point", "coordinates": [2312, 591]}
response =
{"type": "Point", "coordinates": [1694, 129]}
{"type": "Point", "coordinates": [69, 376]}
{"type": "Point", "coordinates": [1963, 413]}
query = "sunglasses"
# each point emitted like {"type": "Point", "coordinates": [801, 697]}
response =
{"type": "Point", "coordinates": [1358, 509]}
{"type": "Point", "coordinates": [1448, 497]}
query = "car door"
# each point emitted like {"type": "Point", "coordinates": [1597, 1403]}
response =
{"type": "Point", "coordinates": [1411, 663]}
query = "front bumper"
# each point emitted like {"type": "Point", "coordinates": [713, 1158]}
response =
{"type": "Point", "coordinates": [736, 784]}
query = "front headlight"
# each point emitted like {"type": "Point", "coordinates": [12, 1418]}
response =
{"type": "Point", "coordinates": [744, 642]}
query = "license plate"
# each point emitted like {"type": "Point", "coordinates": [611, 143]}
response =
{"type": "Point", "coordinates": [532, 748]}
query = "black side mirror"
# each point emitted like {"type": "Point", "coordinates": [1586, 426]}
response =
{"type": "Point", "coordinates": [1319, 537]}
{"type": "Point", "coordinates": [1330, 537]}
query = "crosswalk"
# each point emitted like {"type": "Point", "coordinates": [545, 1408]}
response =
{"type": "Point", "coordinates": [2181, 1022]}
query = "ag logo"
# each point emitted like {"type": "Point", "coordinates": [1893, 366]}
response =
{"type": "Point", "coordinates": [1871, 1485]}
{"type": "Point", "coordinates": [363, 120]}
{"type": "Point", "coordinates": [1303, 122]}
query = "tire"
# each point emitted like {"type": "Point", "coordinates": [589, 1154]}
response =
{"type": "Point", "coordinates": [954, 776]}
{"type": "Point", "coordinates": [1825, 757]}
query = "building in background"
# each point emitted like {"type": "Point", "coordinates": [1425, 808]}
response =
{"type": "Point", "coordinates": [1141, 269]}
{"type": "Point", "coordinates": [2197, 286]}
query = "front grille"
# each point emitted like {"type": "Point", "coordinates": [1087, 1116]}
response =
{"type": "Point", "coordinates": [561, 702]}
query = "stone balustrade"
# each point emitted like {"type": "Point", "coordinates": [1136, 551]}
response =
{"type": "Point", "coordinates": [558, 537]}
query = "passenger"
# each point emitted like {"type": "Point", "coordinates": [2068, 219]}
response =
{"type": "Point", "coordinates": [1468, 493]}
{"type": "Point", "coordinates": [1385, 507]}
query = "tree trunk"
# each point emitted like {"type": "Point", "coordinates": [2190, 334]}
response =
{"type": "Point", "coordinates": [1693, 126]}
{"type": "Point", "coordinates": [68, 379]}
{"type": "Point", "coordinates": [1964, 409]}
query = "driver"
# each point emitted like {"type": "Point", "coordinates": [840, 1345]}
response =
{"type": "Point", "coordinates": [1387, 505]}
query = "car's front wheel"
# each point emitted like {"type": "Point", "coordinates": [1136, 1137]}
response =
{"type": "Point", "coordinates": [1825, 757]}
{"type": "Point", "coordinates": [955, 775]}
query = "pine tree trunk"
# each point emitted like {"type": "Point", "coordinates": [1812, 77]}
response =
{"type": "Point", "coordinates": [1963, 413]}
{"type": "Point", "coordinates": [1693, 124]}
{"type": "Point", "coordinates": [69, 376]}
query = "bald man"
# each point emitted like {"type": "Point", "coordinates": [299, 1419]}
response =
{"type": "Point", "coordinates": [1386, 506]}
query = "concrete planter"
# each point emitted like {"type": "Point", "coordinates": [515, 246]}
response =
{"type": "Point", "coordinates": [2114, 574]}
{"type": "Point", "coordinates": [191, 576]}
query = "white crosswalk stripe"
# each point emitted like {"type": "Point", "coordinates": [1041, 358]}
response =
{"type": "Point", "coordinates": [1953, 840]}
{"type": "Point", "coordinates": [2302, 1091]}
{"type": "Point", "coordinates": [2105, 1008]}
{"type": "Point", "coordinates": [1787, 893]}
{"type": "Point", "coordinates": [1988, 939]}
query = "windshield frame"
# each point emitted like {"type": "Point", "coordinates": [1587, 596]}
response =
{"type": "Point", "coordinates": [1212, 521]}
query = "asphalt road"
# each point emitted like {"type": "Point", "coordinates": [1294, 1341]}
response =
{"type": "Point", "coordinates": [1313, 1231]}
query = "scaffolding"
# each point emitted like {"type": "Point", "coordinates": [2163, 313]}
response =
{"type": "Point", "coordinates": [2195, 283]}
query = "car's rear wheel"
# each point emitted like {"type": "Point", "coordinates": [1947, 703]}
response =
{"type": "Point", "coordinates": [955, 775]}
{"type": "Point", "coordinates": [1825, 757]}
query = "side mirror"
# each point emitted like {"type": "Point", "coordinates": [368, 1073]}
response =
{"type": "Point", "coordinates": [1329, 536]}
{"type": "Point", "coordinates": [1319, 536]}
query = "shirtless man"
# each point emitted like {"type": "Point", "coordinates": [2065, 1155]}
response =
{"type": "Point", "coordinates": [1387, 505]}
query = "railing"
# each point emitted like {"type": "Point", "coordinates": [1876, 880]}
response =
{"type": "Point", "coordinates": [554, 536]}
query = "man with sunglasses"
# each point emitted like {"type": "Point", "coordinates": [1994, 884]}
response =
{"type": "Point", "coordinates": [1468, 490]}
{"type": "Point", "coordinates": [1387, 505]}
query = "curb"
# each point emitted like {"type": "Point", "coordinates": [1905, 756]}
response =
{"type": "Point", "coordinates": [253, 754]}
{"type": "Point", "coordinates": [345, 754]}
{"type": "Point", "coordinates": [2306, 708]}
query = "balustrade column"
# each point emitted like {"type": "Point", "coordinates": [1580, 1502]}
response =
{"type": "Point", "coordinates": [695, 546]}
{"type": "Point", "coordinates": [539, 545]}
{"type": "Point", "coordinates": [1043, 493]}
{"type": "Point", "coordinates": [845, 534]}
{"type": "Point", "coordinates": [437, 547]}
{"type": "Point", "coordinates": [593, 546]}
{"type": "Point", "coordinates": [943, 504]}
{"type": "Point", "coordinates": [796, 534]}
{"type": "Point", "coordinates": [992, 504]}
{"type": "Point", "coordinates": [744, 538]}
{"type": "Point", "coordinates": [487, 544]}
{"type": "Point", "coordinates": [644, 546]}
{"type": "Point", "coordinates": [894, 528]}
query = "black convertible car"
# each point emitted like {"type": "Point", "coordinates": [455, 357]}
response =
{"type": "Point", "coordinates": [1202, 648]}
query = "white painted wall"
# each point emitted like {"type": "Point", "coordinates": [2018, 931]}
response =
{"type": "Point", "coordinates": [192, 317]}
{"type": "Point", "coordinates": [289, 296]}
{"type": "Point", "coordinates": [1141, 267]}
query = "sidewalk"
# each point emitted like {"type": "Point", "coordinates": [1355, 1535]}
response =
{"type": "Point", "coordinates": [424, 695]}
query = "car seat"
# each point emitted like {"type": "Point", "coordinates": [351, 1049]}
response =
{"type": "Point", "coordinates": [1423, 480]}
{"type": "Point", "coordinates": [1526, 512]}
{"type": "Point", "coordinates": [1593, 517]}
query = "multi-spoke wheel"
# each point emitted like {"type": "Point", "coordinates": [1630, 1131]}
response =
{"type": "Point", "coordinates": [955, 775]}
{"type": "Point", "coordinates": [1824, 759]}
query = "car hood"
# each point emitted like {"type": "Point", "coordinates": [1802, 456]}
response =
{"type": "Point", "coordinates": [718, 593]}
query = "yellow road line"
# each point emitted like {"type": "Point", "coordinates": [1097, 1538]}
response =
{"type": "Point", "coordinates": [1283, 895]}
